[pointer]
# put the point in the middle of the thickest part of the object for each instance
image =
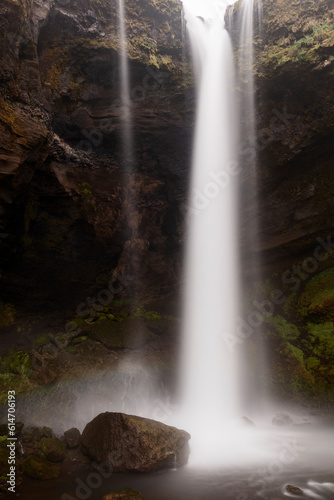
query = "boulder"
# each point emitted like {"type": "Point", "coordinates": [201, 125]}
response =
{"type": "Point", "coordinates": [72, 437]}
{"type": "Point", "coordinates": [125, 494]}
{"type": "Point", "coordinates": [53, 449]}
{"type": "Point", "coordinates": [131, 443]}
{"type": "Point", "coordinates": [294, 490]}
{"type": "Point", "coordinates": [282, 420]}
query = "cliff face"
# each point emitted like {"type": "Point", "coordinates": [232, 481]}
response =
{"type": "Point", "coordinates": [294, 78]}
{"type": "Point", "coordinates": [63, 200]}
{"type": "Point", "coordinates": [294, 54]}
{"type": "Point", "coordinates": [68, 221]}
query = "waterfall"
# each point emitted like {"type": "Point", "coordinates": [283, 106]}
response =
{"type": "Point", "coordinates": [127, 139]}
{"type": "Point", "coordinates": [209, 370]}
{"type": "Point", "coordinates": [249, 14]}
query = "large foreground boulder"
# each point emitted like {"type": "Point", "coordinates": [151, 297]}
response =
{"type": "Point", "coordinates": [130, 443]}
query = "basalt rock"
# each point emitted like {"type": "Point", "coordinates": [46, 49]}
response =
{"type": "Point", "coordinates": [53, 449]}
{"type": "Point", "coordinates": [130, 443]}
{"type": "Point", "coordinates": [72, 437]}
{"type": "Point", "coordinates": [294, 46]}
{"type": "Point", "coordinates": [69, 207]}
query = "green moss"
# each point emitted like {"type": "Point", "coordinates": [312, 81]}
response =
{"type": "Point", "coordinates": [320, 341]}
{"type": "Point", "coordinates": [290, 305]}
{"type": "Point", "coordinates": [294, 353]}
{"type": "Point", "coordinates": [110, 333]}
{"type": "Point", "coordinates": [37, 468]}
{"type": "Point", "coordinates": [85, 190]}
{"type": "Point", "coordinates": [42, 340]}
{"type": "Point", "coordinates": [279, 327]}
{"type": "Point", "coordinates": [16, 363]}
{"type": "Point", "coordinates": [303, 50]}
{"type": "Point", "coordinates": [312, 363]}
{"type": "Point", "coordinates": [7, 314]}
{"type": "Point", "coordinates": [10, 118]}
{"type": "Point", "coordinates": [53, 449]}
{"type": "Point", "coordinates": [316, 303]}
{"type": "Point", "coordinates": [15, 372]}
{"type": "Point", "coordinates": [125, 494]}
{"type": "Point", "coordinates": [142, 313]}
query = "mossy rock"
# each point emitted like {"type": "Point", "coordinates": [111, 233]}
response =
{"type": "Point", "coordinates": [279, 327]}
{"type": "Point", "coordinates": [291, 373]}
{"type": "Point", "coordinates": [125, 494]}
{"type": "Point", "coordinates": [316, 303]}
{"type": "Point", "coordinates": [35, 434]}
{"type": "Point", "coordinates": [320, 341]}
{"type": "Point", "coordinates": [110, 333]}
{"type": "Point", "coordinates": [37, 468]}
{"type": "Point", "coordinates": [7, 314]}
{"type": "Point", "coordinates": [3, 429]}
{"type": "Point", "coordinates": [53, 449]}
{"type": "Point", "coordinates": [3, 462]}
{"type": "Point", "coordinates": [312, 363]}
{"type": "Point", "coordinates": [130, 333]}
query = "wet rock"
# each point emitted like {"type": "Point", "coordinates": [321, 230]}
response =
{"type": "Point", "coordinates": [130, 443]}
{"type": "Point", "coordinates": [53, 449]}
{"type": "Point", "coordinates": [125, 494]}
{"type": "Point", "coordinates": [294, 490]}
{"type": "Point", "coordinates": [35, 434]}
{"type": "Point", "coordinates": [37, 468]}
{"type": "Point", "coordinates": [72, 437]}
{"type": "Point", "coordinates": [247, 422]}
{"type": "Point", "coordinates": [282, 420]}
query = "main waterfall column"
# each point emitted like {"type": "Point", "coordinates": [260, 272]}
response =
{"type": "Point", "coordinates": [209, 364]}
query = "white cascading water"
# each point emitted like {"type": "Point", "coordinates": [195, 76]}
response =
{"type": "Point", "coordinates": [253, 382]}
{"type": "Point", "coordinates": [127, 140]}
{"type": "Point", "coordinates": [209, 370]}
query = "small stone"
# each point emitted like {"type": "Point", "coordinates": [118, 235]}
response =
{"type": "Point", "coordinates": [46, 432]}
{"type": "Point", "coordinates": [247, 422]}
{"type": "Point", "coordinates": [282, 420]}
{"type": "Point", "coordinates": [36, 434]}
{"type": "Point", "coordinates": [72, 437]}
{"type": "Point", "coordinates": [294, 490]}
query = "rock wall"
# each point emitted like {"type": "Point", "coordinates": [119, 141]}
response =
{"type": "Point", "coordinates": [66, 210]}
{"type": "Point", "coordinates": [294, 77]}
{"type": "Point", "coordinates": [65, 189]}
